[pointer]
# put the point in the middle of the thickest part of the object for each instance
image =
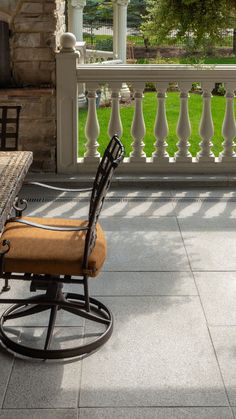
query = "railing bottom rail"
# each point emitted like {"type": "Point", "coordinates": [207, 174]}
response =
{"type": "Point", "coordinates": [172, 167]}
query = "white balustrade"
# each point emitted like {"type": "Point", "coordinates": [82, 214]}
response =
{"type": "Point", "coordinates": [229, 128]}
{"type": "Point", "coordinates": [98, 56]}
{"type": "Point", "coordinates": [183, 127]}
{"type": "Point", "coordinates": [69, 75]}
{"type": "Point", "coordinates": [206, 128]}
{"type": "Point", "coordinates": [115, 124]}
{"type": "Point", "coordinates": [161, 130]}
{"type": "Point", "coordinates": [92, 128]}
{"type": "Point", "coordinates": [138, 125]}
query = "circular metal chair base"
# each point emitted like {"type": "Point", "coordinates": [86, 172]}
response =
{"type": "Point", "coordinates": [72, 303]}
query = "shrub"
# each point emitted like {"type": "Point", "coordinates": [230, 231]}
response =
{"type": "Point", "coordinates": [104, 44]}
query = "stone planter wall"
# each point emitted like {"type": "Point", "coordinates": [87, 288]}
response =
{"type": "Point", "coordinates": [36, 26]}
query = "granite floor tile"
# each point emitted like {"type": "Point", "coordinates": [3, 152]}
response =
{"type": "Point", "coordinates": [42, 384]}
{"type": "Point", "coordinates": [59, 209]}
{"type": "Point", "coordinates": [144, 244]}
{"type": "Point", "coordinates": [18, 290]}
{"type": "Point", "coordinates": [204, 208]}
{"type": "Point", "coordinates": [184, 207]}
{"type": "Point", "coordinates": [224, 340]}
{"type": "Point", "coordinates": [155, 208]}
{"type": "Point", "coordinates": [140, 192]}
{"type": "Point", "coordinates": [63, 337]}
{"type": "Point", "coordinates": [156, 413]}
{"type": "Point", "coordinates": [188, 208]}
{"type": "Point", "coordinates": [160, 354]}
{"type": "Point", "coordinates": [129, 191]}
{"type": "Point", "coordinates": [143, 283]}
{"type": "Point", "coordinates": [39, 414]}
{"type": "Point", "coordinates": [21, 289]}
{"type": "Point", "coordinates": [204, 192]}
{"type": "Point", "coordinates": [158, 207]}
{"type": "Point", "coordinates": [234, 411]}
{"type": "Point", "coordinates": [6, 364]}
{"type": "Point", "coordinates": [210, 243]}
{"type": "Point", "coordinates": [217, 292]}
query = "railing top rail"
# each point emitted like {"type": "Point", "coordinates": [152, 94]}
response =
{"type": "Point", "coordinates": [156, 72]}
{"type": "Point", "coordinates": [99, 53]}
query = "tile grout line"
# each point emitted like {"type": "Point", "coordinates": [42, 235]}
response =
{"type": "Point", "coordinates": [72, 409]}
{"type": "Point", "coordinates": [155, 407]}
{"type": "Point", "coordinates": [8, 381]}
{"type": "Point", "coordinates": [80, 378]}
{"type": "Point", "coordinates": [217, 360]}
{"type": "Point", "coordinates": [207, 326]}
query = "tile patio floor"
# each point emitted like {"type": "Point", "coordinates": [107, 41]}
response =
{"type": "Point", "coordinates": [170, 280]}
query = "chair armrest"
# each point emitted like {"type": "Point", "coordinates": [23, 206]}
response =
{"type": "Point", "coordinates": [44, 185]}
{"type": "Point", "coordinates": [44, 226]}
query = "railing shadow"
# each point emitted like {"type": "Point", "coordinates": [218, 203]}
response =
{"type": "Point", "coordinates": [157, 328]}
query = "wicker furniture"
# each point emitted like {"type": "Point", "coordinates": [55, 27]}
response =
{"type": "Point", "coordinates": [52, 252]}
{"type": "Point", "coordinates": [14, 166]}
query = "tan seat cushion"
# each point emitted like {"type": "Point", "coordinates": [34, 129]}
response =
{"type": "Point", "coordinates": [51, 252]}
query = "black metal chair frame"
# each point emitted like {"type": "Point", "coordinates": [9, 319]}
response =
{"type": "Point", "coordinates": [4, 121]}
{"type": "Point", "coordinates": [54, 298]}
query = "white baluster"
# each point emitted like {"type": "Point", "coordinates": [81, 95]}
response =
{"type": "Point", "coordinates": [206, 128]}
{"type": "Point", "coordinates": [138, 125]}
{"type": "Point", "coordinates": [229, 128]}
{"type": "Point", "coordinates": [115, 124]}
{"type": "Point", "coordinates": [92, 129]}
{"type": "Point", "coordinates": [183, 127]}
{"type": "Point", "coordinates": [161, 126]}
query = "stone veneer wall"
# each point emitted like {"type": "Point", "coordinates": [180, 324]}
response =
{"type": "Point", "coordinates": [36, 26]}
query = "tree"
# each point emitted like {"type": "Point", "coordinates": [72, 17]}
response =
{"type": "Point", "coordinates": [200, 20]}
{"type": "Point", "coordinates": [136, 10]}
{"type": "Point", "coordinates": [96, 14]}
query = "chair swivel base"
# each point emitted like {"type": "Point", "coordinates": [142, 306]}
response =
{"type": "Point", "coordinates": [69, 302]}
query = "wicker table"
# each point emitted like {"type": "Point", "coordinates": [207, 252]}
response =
{"type": "Point", "coordinates": [14, 166]}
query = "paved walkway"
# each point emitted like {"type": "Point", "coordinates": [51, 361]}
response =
{"type": "Point", "coordinates": [170, 280]}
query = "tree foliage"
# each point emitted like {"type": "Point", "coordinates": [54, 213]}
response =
{"type": "Point", "coordinates": [100, 12]}
{"type": "Point", "coordinates": [202, 20]}
{"type": "Point", "coordinates": [97, 13]}
{"type": "Point", "coordinates": [136, 11]}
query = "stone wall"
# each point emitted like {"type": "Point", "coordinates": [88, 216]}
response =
{"type": "Point", "coordinates": [36, 26]}
{"type": "Point", "coordinates": [37, 131]}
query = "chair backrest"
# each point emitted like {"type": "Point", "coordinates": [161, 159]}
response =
{"type": "Point", "coordinates": [112, 157]}
{"type": "Point", "coordinates": [9, 127]}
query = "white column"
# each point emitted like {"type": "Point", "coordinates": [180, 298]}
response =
{"type": "Point", "coordinates": [229, 128]}
{"type": "Point", "coordinates": [67, 105]}
{"type": "Point", "coordinates": [82, 102]}
{"type": "Point", "coordinates": [183, 127]}
{"type": "Point", "coordinates": [115, 29]}
{"type": "Point", "coordinates": [122, 30]}
{"type": "Point", "coordinates": [161, 130]}
{"type": "Point", "coordinates": [206, 128]}
{"type": "Point", "coordinates": [120, 8]}
{"type": "Point", "coordinates": [75, 14]}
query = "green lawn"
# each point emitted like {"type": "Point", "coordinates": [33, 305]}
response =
{"type": "Point", "coordinates": [226, 41]}
{"type": "Point", "coordinates": [188, 60]}
{"type": "Point", "coordinates": [150, 106]}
